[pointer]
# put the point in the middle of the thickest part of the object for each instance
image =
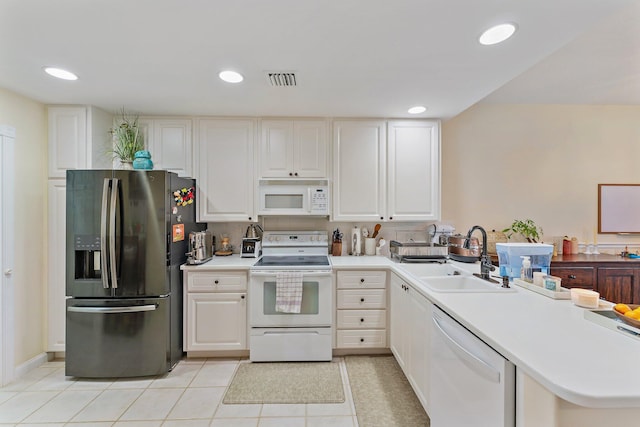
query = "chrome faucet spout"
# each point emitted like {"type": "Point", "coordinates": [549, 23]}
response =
{"type": "Point", "coordinates": [485, 260]}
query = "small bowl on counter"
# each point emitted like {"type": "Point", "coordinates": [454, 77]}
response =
{"type": "Point", "coordinates": [585, 298]}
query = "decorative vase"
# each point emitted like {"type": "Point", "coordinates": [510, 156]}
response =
{"type": "Point", "coordinates": [126, 164]}
{"type": "Point", "coordinates": [142, 160]}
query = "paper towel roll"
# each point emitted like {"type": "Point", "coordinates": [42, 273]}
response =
{"type": "Point", "coordinates": [355, 241]}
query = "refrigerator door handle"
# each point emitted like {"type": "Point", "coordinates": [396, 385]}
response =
{"type": "Point", "coordinates": [112, 310]}
{"type": "Point", "coordinates": [112, 233]}
{"type": "Point", "coordinates": [103, 231]}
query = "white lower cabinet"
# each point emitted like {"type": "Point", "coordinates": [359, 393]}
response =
{"type": "Point", "coordinates": [56, 291]}
{"type": "Point", "coordinates": [215, 311]}
{"type": "Point", "coordinates": [409, 335]}
{"type": "Point", "coordinates": [361, 317]}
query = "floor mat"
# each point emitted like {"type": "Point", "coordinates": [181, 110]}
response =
{"type": "Point", "coordinates": [299, 382]}
{"type": "Point", "coordinates": [382, 394]}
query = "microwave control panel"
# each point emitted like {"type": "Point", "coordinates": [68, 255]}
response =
{"type": "Point", "coordinates": [319, 199]}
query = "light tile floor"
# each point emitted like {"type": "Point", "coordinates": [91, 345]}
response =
{"type": "Point", "coordinates": [189, 396]}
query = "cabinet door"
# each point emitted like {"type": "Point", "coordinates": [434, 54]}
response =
{"type": "Point", "coordinates": [67, 140]}
{"type": "Point", "coordinates": [226, 170]}
{"type": "Point", "coordinates": [359, 180]}
{"type": "Point", "coordinates": [170, 146]}
{"type": "Point", "coordinates": [57, 189]}
{"type": "Point", "coordinates": [309, 149]}
{"type": "Point", "coordinates": [398, 319]}
{"type": "Point", "coordinates": [619, 285]}
{"type": "Point", "coordinates": [276, 149]}
{"type": "Point", "coordinates": [216, 321]}
{"type": "Point", "coordinates": [414, 170]}
{"type": "Point", "coordinates": [420, 310]}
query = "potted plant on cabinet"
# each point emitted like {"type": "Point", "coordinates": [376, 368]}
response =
{"type": "Point", "coordinates": [526, 228]}
{"type": "Point", "coordinates": [127, 139]}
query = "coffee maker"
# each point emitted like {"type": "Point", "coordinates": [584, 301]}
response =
{"type": "Point", "coordinates": [252, 242]}
{"type": "Point", "coordinates": [200, 247]}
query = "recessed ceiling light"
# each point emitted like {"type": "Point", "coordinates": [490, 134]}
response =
{"type": "Point", "coordinates": [417, 109]}
{"type": "Point", "coordinates": [497, 34]}
{"type": "Point", "coordinates": [231, 76]}
{"type": "Point", "coordinates": [60, 73]}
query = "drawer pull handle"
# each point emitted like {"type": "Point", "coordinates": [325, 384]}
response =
{"type": "Point", "coordinates": [215, 281]}
{"type": "Point", "coordinates": [242, 296]}
{"type": "Point", "coordinates": [362, 320]}
{"type": "Point", "coordinates": [361, 339]}
{"type": "Point", "coordinates": [361, 299]}
{"type": "Point", "coordinates": [572, 276]}
{"type": "Point", "coordinates": [361, 280]}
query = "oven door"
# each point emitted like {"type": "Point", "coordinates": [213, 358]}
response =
{"type": "Point", "coordinates": [316, 301]}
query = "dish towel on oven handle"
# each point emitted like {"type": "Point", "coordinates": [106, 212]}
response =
{"type": "Point", "coordinates": [288, 291]}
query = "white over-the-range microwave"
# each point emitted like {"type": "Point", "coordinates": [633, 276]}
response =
{"type": "Point", "coordinates": [293, 197]}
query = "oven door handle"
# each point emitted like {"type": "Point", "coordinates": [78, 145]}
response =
{"type": "Point", "coordinates": [305, 273]}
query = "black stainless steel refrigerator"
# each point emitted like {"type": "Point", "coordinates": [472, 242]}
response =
{"type": "Point", "coordinates": [126, 239]}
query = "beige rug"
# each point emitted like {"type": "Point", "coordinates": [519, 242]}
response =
{"type": "Point", "coordinates": [382, 394]}
{"type": "Point", "coordinates": [295, 382]}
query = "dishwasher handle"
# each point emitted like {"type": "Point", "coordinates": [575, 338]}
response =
{"type": "Point", "coordinates": [469, 359]}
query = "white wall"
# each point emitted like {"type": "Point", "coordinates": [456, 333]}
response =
{"type": "Point", "coordinates": [28, 117]}
{"type": "Point", "coordinates": [543, 162]}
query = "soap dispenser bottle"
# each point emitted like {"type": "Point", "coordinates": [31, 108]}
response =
{"type": "Point", "coordinates": [526, 273]}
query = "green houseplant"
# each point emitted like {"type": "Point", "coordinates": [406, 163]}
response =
{"type": "Point", "coordinates": [127, 138]}
{"type": "Point", "coordinates": [526, 228]}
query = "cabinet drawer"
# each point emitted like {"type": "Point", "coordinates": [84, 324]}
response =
{"type": "Point", "coordinates": [362, 319]}
{"type": "Point", "coordinates": [575, 277]}
{"type": "Point", "coordinates": [366, 338]}
{"type": "Point", "coordinates": [211, 281]}
{"type": "Point", "coordinates": [361, 279]}
{"type": "Point", "coordinates": [362, 298]}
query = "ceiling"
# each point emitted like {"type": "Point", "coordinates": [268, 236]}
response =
{"type": "Point", "coordinates": [352, 58]}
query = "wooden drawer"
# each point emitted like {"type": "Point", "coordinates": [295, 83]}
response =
{"type": "Point", "coordinates": [575, 277]}
{"type": "Point", "coordinates": [362, 298]}
{"type": "Point", "coordinates": [361, 279]}
{"type": "Point", "coordinates": [212, 281]}
{"type": "Point", "coordinates": [366, 338]}
{"type": "Point", "coordinates": [362, 319]}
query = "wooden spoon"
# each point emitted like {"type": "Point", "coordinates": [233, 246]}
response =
{"type": "Point", "coordinates": [375, 230]}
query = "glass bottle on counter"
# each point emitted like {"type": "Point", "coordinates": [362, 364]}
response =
{"type": "Point", "coordinates": [526, 273]}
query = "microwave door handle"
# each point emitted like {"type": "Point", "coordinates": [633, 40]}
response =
{"type": "Point", "coordinates": [112, 233]}
{"type": "Point", "coordinates": [103, 231]}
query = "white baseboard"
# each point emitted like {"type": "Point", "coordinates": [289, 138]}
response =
{"type": "Point", "coordinates": [30, 364]}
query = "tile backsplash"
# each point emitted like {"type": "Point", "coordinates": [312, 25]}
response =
{"type": "Point", "coordinates": [402, 232]}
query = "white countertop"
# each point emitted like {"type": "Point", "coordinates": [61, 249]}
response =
{"type": "Point", "coordinates": [231, 262]}
{"type": "Point", "coordinates": [549, 340]}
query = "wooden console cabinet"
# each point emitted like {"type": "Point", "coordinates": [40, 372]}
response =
{"type": "Point", "coordinates": [617, 279]}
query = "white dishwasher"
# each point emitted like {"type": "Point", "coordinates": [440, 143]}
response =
{"type": "Point", "coordinates": [471, 384]}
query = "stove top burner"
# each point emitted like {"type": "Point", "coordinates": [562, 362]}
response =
{"type": "Point", "coordinates": [293, 261]}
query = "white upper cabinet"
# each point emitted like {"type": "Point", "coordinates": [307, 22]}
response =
{"type": "Point", "coordinates": [170, 143]}
{"type": "Point", "coordinates": [79, 138]}
{"type": "Point", "coordinates": [386, 171]}
{"type": "Point", "coordinates": [359, 170]}
{"type": "Point", "coordinates": [225, 170]}
{"type": "Point", "coordinates": [293, 149]}
{"type": "Point", "coordinates": [413, 165]}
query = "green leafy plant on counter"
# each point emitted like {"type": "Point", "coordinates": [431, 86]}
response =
{"type": "Point", "coordinates": [127, 138]}
{"type": "Point", "coordinates": [526, 228]}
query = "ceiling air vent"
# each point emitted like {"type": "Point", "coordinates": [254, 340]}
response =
{"type": "Point", "coordinates": [282, 78]}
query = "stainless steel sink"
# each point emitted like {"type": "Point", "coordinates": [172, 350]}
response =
{"type": "Point", "coordinates": [466, 283]}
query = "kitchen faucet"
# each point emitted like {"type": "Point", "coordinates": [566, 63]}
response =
{"type": "Point", "coordinates": [485, 259]}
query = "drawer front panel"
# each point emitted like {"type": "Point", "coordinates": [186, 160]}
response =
{"type": "Point", "coordinates": [361, 339]}
{"type": "Point", "coordinates": [362, 319]}
{"type": "Point", "coordinates": [362, 298]}
{"type": "Point", "coordinates": [575, 277]}
{"type": "Point", "coordinates": [361, 279]}
{"type": "Point", "coordinates": [217, 282]}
